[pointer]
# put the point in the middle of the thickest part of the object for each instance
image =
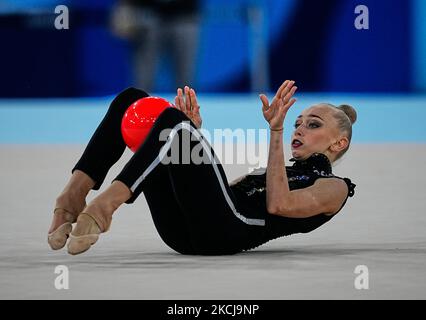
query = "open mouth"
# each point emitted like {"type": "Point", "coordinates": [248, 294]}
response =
{"type": "Point", "coordinates": [296, 144]}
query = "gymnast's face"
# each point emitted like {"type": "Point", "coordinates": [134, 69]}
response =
{"type": "Point", "coordinates": [315, 131]}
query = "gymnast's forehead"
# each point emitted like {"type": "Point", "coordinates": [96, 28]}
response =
{"type": "Point", "coordinates": [321, 111]}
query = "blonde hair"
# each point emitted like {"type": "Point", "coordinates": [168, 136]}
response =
{"type": "Point", "coordinates": [345, 116]}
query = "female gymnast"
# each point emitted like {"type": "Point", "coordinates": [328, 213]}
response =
{"type": "Point", "coordinates": [194, 208]}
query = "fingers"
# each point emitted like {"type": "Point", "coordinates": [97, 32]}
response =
{"type": "Point", "coordinates": [285, 106]}
{"type": "Point", "coordinates": [193, 98]}
{"type": "Point", "coordinates": [286, 89]}
{"type": "Point", "coordinates": [177, 101]}
{"type": "Point", "coordinates": [265, 102]}
{"type": "Point", "coordinates": [180, 103]}
{"type": "Point", "coordinates": [187, 100]}
{"type": "Point", "coordinates": [281, 88]}
{"type": "Point", "coordinates": [287, 93]}
{"type": "Point", "coordinates": [292, 101]}
{"type": "Point", "coordinates": [288, 96]}
{"type": "Point", "coordinates": [286, 100]}
{"type": "Point", "coordinates": [282, 91]}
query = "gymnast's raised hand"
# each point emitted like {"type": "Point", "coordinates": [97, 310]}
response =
{"type": "Point", "coordinates": [188, 104]}
{"type": "Point", "coordinates": [275, 112]}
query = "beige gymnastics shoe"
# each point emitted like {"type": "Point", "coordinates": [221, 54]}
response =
{"type": "Point", "coordinates": [84, 235]}
{"type": "Point", "coordinates": [58, 238]}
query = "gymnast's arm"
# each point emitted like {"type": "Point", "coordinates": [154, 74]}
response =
{"type": "Point", "coordinates": [326, 195]}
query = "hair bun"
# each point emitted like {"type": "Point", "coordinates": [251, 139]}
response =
{"type": "Point", "coordinates": [349, 111]}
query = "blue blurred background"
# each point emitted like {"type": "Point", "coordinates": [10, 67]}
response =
{"type": "Point", "coordinates": [57, 84]}
{"type": "Point", "coordinates": [314, 42]}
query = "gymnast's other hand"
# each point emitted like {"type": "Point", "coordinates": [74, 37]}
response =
{"type": "Point", "coordinates": [275, 112]}
{"type": "Point", "coordinates": [186, 101]}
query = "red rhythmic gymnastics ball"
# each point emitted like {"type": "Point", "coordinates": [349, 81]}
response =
{"type": "Point", "coordinates": [139, 118]}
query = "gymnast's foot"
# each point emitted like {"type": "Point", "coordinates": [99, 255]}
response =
{"type": "Point", "coordinates": [85, 233]}
{"type": "Point", "coordinates": [97, 217]}
{"type": "Point", "coordinates": [68, 205]}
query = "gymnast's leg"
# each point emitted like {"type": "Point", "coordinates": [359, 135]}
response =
{"type": "Point", "coordinates": [209, 214]}
{"type": "Point", "coordinates": [103, 150]}
{"type": "Point", "coordinates": [97, 216]}
{"type": "Point", "coordinates": [169, 220]}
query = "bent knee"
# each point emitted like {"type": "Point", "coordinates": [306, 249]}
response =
{"type": "Point", "coordinates": [132, 92]}
{"type": "Point", "coordinates": [171, 116]}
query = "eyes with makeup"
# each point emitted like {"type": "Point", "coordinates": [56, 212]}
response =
{"type": "Point", "coordinates": [311, 124]}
